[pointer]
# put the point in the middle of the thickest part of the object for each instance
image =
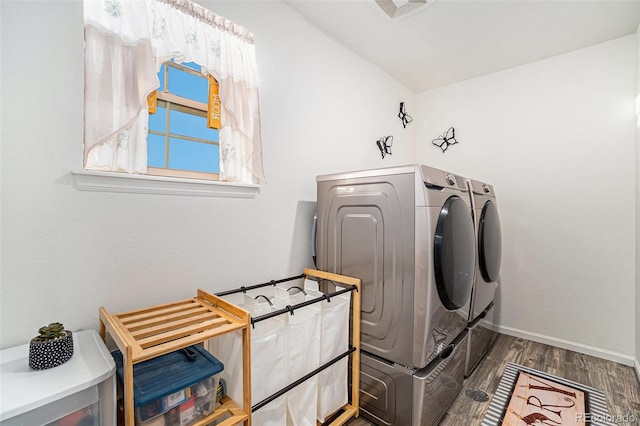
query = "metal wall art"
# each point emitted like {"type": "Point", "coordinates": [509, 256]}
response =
{"type": "Point", "coordinates": [403, 116]}
{"type": "Point", "coordinates": [446, 139]}
{"type": "Point", "coordinates": [384, 145]}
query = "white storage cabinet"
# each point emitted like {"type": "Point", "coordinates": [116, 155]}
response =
{"type": "Point", "coordinates": [80, 392]}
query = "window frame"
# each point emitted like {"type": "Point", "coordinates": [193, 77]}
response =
{"type": "Point", "coordinates": [109, 181]}
{"type": "Point", "coordinates": [185, 105]}
{"type": "Point", "coordinates": [160, 181]}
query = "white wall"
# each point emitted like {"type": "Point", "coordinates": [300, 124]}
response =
{"type": "Point", "coordinates": [556, 139]}
{"type": "Point", "coordinates": [65, 252]}
{"type": "Point", "coordinates": [637, 362]}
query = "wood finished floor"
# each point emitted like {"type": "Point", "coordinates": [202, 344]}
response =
{"type": "Point", "coordinates": [618, 382]}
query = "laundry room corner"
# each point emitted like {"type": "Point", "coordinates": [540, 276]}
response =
{"type": "Point", "coordinates": [537, 133]}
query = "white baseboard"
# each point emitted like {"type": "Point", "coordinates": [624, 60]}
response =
{"type": "Point", "coordinates": [572, 346]}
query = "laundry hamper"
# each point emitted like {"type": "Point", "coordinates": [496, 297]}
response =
{"type": "Point", "coordinates": [334, 324]}
{"type": "Point", "coordinates": [268, 362]}
{"type": "Point", "coordinates": [298, 332]}
{"type": "Point", "coordinates": [303, 338]}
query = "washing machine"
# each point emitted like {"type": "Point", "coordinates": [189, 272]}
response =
{"type": "Point", "coordinates": [408, 234]}
{"type": "Point", "coordinates": [489, 251]}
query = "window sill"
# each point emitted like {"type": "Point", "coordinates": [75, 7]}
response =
{"type": "Point", "coordinates": [102, 181]}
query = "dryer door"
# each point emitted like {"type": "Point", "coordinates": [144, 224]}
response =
{"type": "Point", "coordinates": [454, 253]}
{"type": "Point", "coordinates": [489, 242]}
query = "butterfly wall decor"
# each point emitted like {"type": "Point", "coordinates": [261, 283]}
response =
{"type": "Point", "coordinates": [403, 116]}
{"type": "Point", "coordinates": [446, 139]}
{"type": "Point", "coordinates": [384, 145]}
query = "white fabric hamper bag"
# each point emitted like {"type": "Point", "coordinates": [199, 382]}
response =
{"type": "Point", "coordinates": [334, 341]}
{"type": "Point", "coordinates": [268, 362]}
{"type": "Point", "coordinates": [303, 356]}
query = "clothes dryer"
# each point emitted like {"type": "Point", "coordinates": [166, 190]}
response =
{"type": "Point", "coordinates": [408, 234]}
{"type": "Point", "coordinates": [489, 250]}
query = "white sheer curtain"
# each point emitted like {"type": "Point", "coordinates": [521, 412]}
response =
{"type": "Point", "coordinates": [126, 42]}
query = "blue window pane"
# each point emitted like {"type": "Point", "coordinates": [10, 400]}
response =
{"type": "Point", "coordinates": [155, 151]}
{"type": "Point", "coordinates": [161, 78]}
{"type": "Point", "coordinates": [194, 156]}
{"type": "Point", "coordinates": [158, 121]}
{"type": "Point", "coordinates": [192, 65]}
{"type": "Point", "coordinates": [187, 85]}
{"type": "Point", "coordinates": [183, 154]}
{"type": "Point", "coordinates": [191, 125]}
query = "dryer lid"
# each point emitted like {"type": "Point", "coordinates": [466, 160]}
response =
{"type": "Point", "coordinates": [454, 253]}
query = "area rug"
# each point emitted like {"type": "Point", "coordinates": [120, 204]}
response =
{"type": "Point", "coordinates": [531, 397]}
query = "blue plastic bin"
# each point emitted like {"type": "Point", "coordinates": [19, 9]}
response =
{"type": "Point", "coordinates": [165, 375]}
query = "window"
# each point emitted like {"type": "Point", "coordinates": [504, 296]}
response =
{"type": "Point", "coordinates": [179, 142]}
{"type": "Point", "coordinates": [123, 42]}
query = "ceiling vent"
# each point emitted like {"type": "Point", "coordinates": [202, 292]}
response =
{"type": "Point", "coordinates": [401, 8]}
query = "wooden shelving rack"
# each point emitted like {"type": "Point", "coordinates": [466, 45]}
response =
{"type": "Point", "coordinates": [146, 333]}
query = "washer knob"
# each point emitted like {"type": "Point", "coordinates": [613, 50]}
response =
{"type": "Point", "coordinates": [485, 188]}
{"type": "Point", "coordinates": [450, 179]}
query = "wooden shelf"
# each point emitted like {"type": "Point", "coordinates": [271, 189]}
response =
{"type": "Point", "coordinates": [146, 333]}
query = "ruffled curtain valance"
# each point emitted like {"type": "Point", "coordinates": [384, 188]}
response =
{"type": "Point", "coordinates": [126, 42]}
